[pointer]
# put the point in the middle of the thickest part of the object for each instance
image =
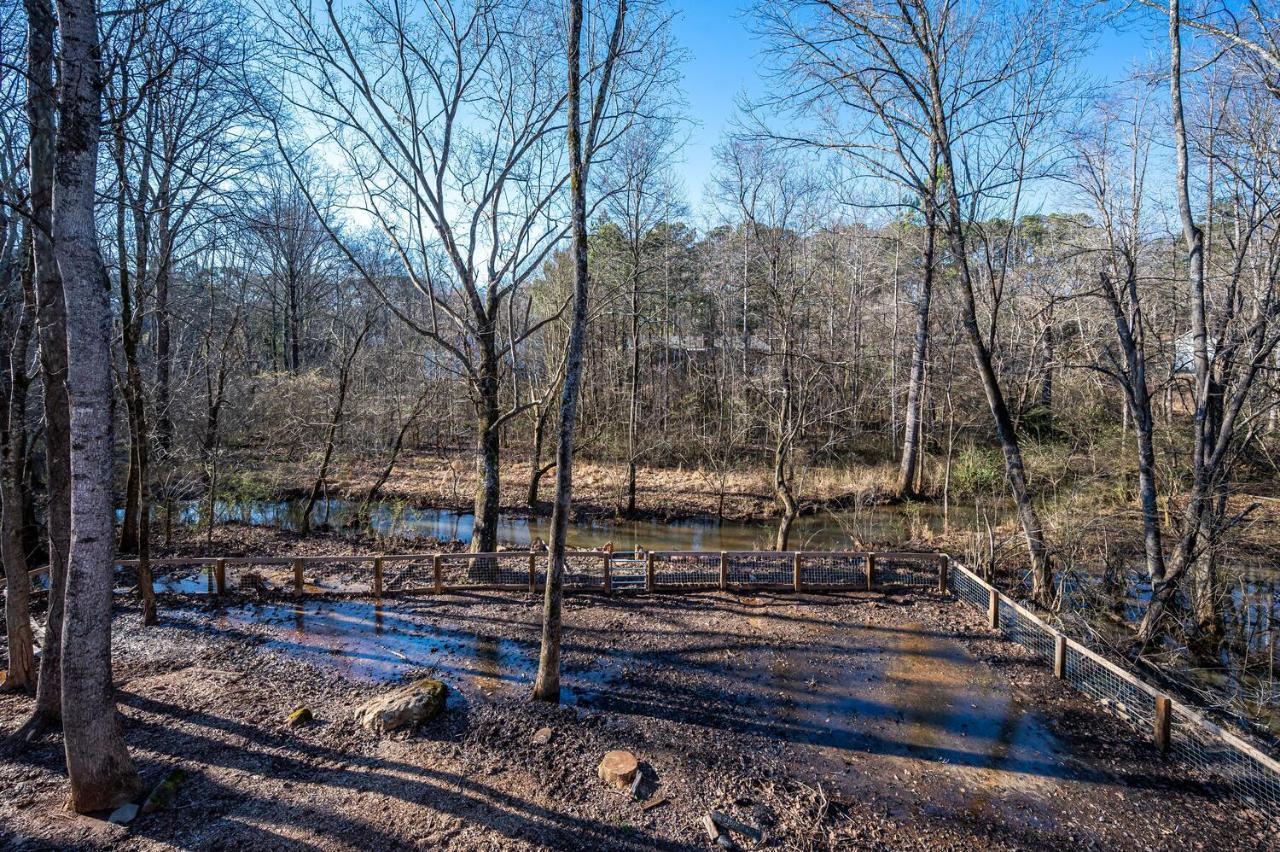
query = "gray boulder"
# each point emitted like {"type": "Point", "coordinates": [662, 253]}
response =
{"type": "Point", "coordinates": [407, 706]}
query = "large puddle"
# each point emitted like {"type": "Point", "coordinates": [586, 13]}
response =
{"type": "Point", "coordinates": [371, 642]}
{"type": "Point", "coordinates": [897, 706]}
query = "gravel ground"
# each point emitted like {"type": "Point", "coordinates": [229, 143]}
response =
{"type": "Point", "coordinates": [859, 721]}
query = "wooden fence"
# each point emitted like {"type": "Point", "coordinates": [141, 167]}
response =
{"type": "Point", "coordinates": [585, 571]}
{"type": "Point", "coordinates": [1227, 762]}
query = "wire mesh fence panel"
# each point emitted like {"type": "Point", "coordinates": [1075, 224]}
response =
{"type": "Point", "coordinates": [1026, 632]}
{"type": "Point", "coordinates": [1227, 764]}
{"type": "Point", "coordinates": [251, 574]}
{"type": "Point", "coordinates": [686, 570]}
{"type": "Point", "coordinates": [1117, 694]}
{"type": "Point", "coordinates": [459, 570]}
{"type": "Point", "coordinates": [408, 573]}
{"type": "Point", "coordinates": [583, 570]}
{"type": "Point", "coordinates": [967, 589]}
{"type": "Point", "coordinates": [761, 568]}
{"type": "Point", "coordinates": [835, 570]}
{"type": "Point", "coordinates": [167, 575]}
{"type": "Point", "coordinates": [906, 569]}
{"type": "Point", "coordinates": [339, 576]}
{"type": "Point", "coordinates": [1223, 765]}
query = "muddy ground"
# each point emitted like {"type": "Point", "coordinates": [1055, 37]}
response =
{"type": "Point", "coordinates": [831, 722]}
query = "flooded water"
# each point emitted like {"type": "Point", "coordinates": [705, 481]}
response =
{"type": "Point", "coordinates": [891, 706]}
{"type": "Point", "coordinates": [827, 531]}
{"type": "Point", "coordinates": [369, 642]}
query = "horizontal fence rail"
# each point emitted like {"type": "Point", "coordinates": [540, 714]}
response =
{"type": "Point", "coordinates": [1226, 760]}
{"type": "Point", "coordinates": [584, 571]}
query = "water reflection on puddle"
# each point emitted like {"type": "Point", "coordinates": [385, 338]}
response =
{"type": "Point", "coordinates": [868, 701]}
{"type": "Point", "coordinates": [367, 641]}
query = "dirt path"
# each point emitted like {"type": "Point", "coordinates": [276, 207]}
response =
{"type": "Point", "coordinates": [846, 722]}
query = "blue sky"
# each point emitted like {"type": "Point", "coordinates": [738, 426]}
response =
{"type": "Point", "coordinates": [724, 61]}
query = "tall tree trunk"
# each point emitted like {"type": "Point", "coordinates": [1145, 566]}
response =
{"type": "Point", "coordinates": [912, 438]}
{"type": "Point", "coordinates": [781, 450]}
{"type": "Point", "coordinates": [1006, 431]}
{"type": "Point", "coordinates": [1164, 586]}
{"type": "Point", "coordinates": [20, 671]}
{"type": "Point", "coordinates": [633, 406]}
{"type": "Point", "coordinates": [51, 329]}
{"type": "Point", "coordinates": [546, 686]}
{"type": "Point", "coordinates": [484, 531]}
{"type": "Point", "coordinates": [100, 770]}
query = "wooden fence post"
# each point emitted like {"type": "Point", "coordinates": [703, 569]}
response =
{"type": "Point", "coordinates": [297, 576]}
{"type": "Point", "coordinates": [944, 563]}
{"type": "Point", "coordinates": [377, 577]}
{"type": "Point", "coordinates": [533, 573]}
{"type": "Point", "coordinates": [724, 570]}
{"type": "Point", "coordinates": [993, 609]}
{"type": "Point", "coordinates": [871, 571]}
{"type": "Point", "coordinates": [796, 582]}
{"type": "Point", "coordinates": [220, 576]}
{"type": "Point", "coordinates": [1059, 656]}
{"type": "Point", "coordinates": [608, 580]}
{"type": "Point", "coordinates": [1164, 709]}
{"type": "Point", "coordinates": [648, 572]}
{"type": "Point", "coordinates": [437, 573]}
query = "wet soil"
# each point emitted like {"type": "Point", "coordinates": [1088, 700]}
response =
{"type": "Point", "coordinates": [854, 721]}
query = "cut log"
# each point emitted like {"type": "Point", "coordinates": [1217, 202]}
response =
{"type": "Point", "coordinates": [717, 836]}
{"type": "Point", "coordinates": [728, 823]}
{"type": "Point", "coordinates": [619, 769]}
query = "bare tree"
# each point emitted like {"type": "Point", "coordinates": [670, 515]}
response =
{"type": "Point", "coordinates": [351, 350]}
{"type": "Point", "coordinates": [17, 301]}
{"type": "Point", "coordinates": [546, 686]}
{"type": "Point", "coordinates": [446, 118]}
{"type": "Point", "coordinates": [640, 196]}
{"type": "Point", "coordinates": [101, 773]}
{"type": "Point", "coordinates": [51, 329]}
{"type": "Point", "coordinates": [869, 119]}
{"type": "Point", "coordinates": [1112, 162]}
{"type": "Point", "coordinates": [776, 198]}
{"type": "Point", "coordinates": [980, 93]}
{"type": "Point", "coordinates": [1231, 342]}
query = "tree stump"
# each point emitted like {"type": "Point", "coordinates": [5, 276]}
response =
{"type": "Point", "coordinates": [619, 769]}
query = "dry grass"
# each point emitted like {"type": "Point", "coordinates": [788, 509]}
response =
{"type": "Point", "coordinates": [449, 481]}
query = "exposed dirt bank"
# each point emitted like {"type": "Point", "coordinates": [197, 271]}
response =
{"type": "Point", "coordinates": [832, 722]}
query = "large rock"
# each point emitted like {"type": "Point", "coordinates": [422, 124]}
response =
{"type": "Point", "coordinates": [410, 705]}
